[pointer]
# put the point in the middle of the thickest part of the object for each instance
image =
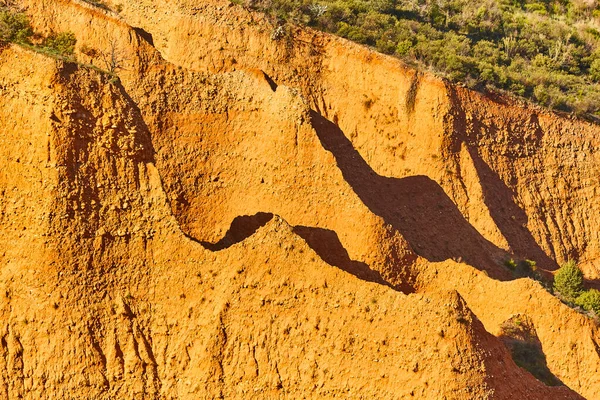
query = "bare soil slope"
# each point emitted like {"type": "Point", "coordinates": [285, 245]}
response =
{"type": "Point", "coordinates": [240, 217]}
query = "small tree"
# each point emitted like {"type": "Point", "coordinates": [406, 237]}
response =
{"type": "Point", "coordinates": [590, 301]}
{"type": "Point", "coordinates": [114, 58]}
{"type": "Point", "coordinates": [62, 43]}
{"type": "Point", "coordinates": [14, 26]}
{"type": "Point", "coordinates": [568, 281]}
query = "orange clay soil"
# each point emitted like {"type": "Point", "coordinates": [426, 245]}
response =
{"type": "Point", "coordinates": [238, 217]}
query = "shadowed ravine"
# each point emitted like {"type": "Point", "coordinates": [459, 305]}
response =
{"type": "Point", "coordinates": [499, 199]}
{"type": "Point", "coordinates": [510, 219]}
{"type": "Point", "coordinates": [416, 206]}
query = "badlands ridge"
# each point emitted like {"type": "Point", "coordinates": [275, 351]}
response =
{"type": "Point", "coordinates": [242, 217]}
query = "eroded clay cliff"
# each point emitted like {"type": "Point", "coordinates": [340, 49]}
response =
{"type": "Point", "coordinates": [243, 217]}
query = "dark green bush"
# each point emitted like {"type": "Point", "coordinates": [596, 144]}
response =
{"type": "Point", "coordinates": [61, 43]}
{"type": "Point", "coordinates": [590, 301]}
{"type": "Point", "coordinates": [510, 264]}
{"type": "Point", "coordinates": [568, 281]}
{"type": "Point", "coordinates": [14, 26]}
{"type": "Point", "coordinates": [526, 268]}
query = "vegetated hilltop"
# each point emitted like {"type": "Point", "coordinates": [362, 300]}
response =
{"type": "Point", "coordinates": [547, 51]}
{"type": "Point", "coordinates": [198, 209]}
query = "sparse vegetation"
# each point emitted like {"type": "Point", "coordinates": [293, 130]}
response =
{"type": "Point", "coordinates": [528, 269]}
{"type": "Point", "coordinates": [99, 4]}
{"type": "Point", "coordinates": [510, 264]}
{"type": "Point", "coordinates": [14, 26]}
{"type": "Point", "coordinates": [568, 282]}
{"type": "Point", "coordinates": [519, 336]}
{"type": "Point", "coordinates": [61, 43]}
{"type": "Point", "coordinates": [590, 301]}
{"type": "Point", "coordinates": [544, 50]}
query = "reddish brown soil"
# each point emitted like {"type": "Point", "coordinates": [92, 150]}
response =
{"type": "Point", "coordinates": [237, 217]}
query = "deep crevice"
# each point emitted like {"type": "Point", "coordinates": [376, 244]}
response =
{"type": "Point", "coordinates": [147, 36]}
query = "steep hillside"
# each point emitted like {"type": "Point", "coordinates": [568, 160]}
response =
{"type": "Point", "coordinates": [546, 51]}
{"type": "Point", "coordinates": [407, 124]}
{"type": "Point", "coordinates": [238, 217]}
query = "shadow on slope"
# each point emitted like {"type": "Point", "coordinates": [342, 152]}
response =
{"type": "Point", "coordinates": [520, 337]}
{"type": "Point", "coordinates": [510, 219]}
{"type": "Point", "coordinates": [324, 242]}
{"type": "Point", "coordinates": [327, 245]}
{"type": "Point", "coordinates": [415, 206]}
{"type": "Point", "coordinates": [242, 227]}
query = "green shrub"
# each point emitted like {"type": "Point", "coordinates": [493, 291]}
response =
{"type": "Point", "coordinates": [590, 301]}
{"type": "Point", "coordinates": [546, 51]}
{"type": "Point", "coordinates": [526, 268]}
{"type": "Point", "coordinates": [568, 281]}
{"type": "Point", "coordinates": [510, 264]}
{"type": "Point", "coordinates": [595, 70]}
{"type": "Point", "coordinates": [62, 43]}
{"type": "Point", "coordinates": [14, 26]}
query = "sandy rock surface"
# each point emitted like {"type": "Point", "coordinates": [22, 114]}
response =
{"type": "Point", "coordinates": [238, 217]}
